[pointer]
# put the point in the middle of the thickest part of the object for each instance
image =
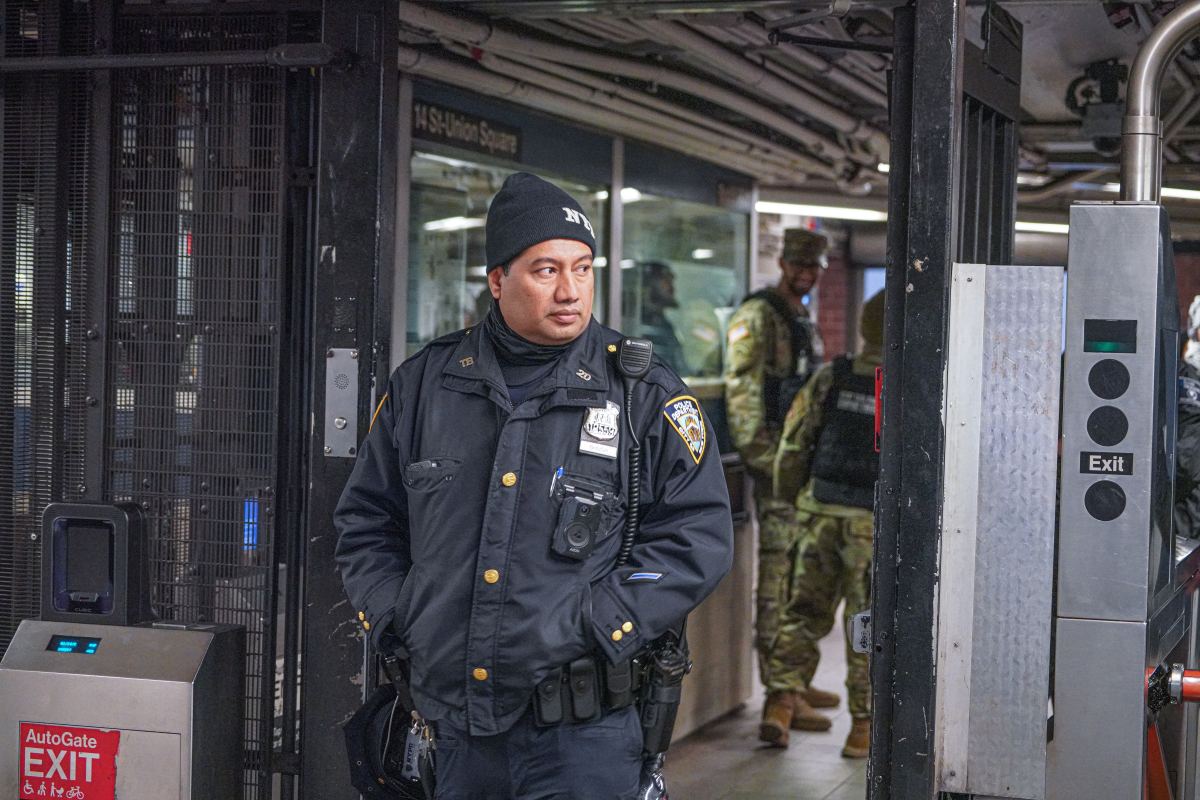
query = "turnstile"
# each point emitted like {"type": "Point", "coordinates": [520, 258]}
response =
{"type": "Point", "coordinates": [101, 712]}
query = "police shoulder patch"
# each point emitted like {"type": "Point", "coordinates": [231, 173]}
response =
{"type": "Point", "coordinates": [1189, 394]}
{"type": "Point", "coordinates": [688, 421]}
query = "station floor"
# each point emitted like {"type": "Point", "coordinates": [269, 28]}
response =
{"type": "Point", "coordinates": [725, 761]}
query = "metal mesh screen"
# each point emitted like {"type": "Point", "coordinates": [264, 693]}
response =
{"type": "Point", "coordinates": [44, 291]}
{"type": "Point", "coordinates": [195, 299]}
{"type": "Point", "coordinates": [193, 295]}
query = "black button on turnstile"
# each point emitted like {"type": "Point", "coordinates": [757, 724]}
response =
{"type": "Point", "coordinates": [1104, 500]}
{"type": "Point", "coordinates": [1108, 379]}
{"type": "Point", "coordinates": [1107, 426]}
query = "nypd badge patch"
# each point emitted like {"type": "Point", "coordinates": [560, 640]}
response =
{"type": "Point", "coordinates": [686, 418]}
{"type": "Point", "coordinates": [601, 429]}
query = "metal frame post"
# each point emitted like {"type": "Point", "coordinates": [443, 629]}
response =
{"type": "Point", "coordinates": [350, 307]}
{"type": "Point", "coordinates": [928, 75]}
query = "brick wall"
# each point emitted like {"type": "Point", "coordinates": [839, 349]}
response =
{"type": "Point", "coordinates": [1187, 275]}
{"type": "Point", "coordinates": [836, 295]}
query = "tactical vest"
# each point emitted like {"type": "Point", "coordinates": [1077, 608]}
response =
{"type": "Point", "coordinates": [845, 464]}
{"type": "Point", "coordinates": [779, 392]}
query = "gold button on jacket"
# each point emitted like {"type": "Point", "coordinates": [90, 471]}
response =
{"type": "Point", "coordinates": [491, 576]}
{"type": "Point", "coordinates": [480, 674]}
{"type": "Point", "coordinates": [509, 479]}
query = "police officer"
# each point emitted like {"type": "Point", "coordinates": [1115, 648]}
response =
{"type": "Point", "coordinates": [772, 349]}
{"type": "Point", "coordinates": [481, 524]}
{"type": "Point", "coordinates": [828, 464]}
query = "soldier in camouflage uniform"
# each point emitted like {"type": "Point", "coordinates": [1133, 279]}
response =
{"type": "Point", "coordinates": [827, 462]}
{"type": "Point", "coordinates": [773, 348]}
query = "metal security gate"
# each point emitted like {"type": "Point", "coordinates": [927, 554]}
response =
{"type": "Point", "coordinates": [148, 260]}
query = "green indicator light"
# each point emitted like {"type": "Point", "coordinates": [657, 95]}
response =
{"type": "Point", "coordinates": [1092, 346]}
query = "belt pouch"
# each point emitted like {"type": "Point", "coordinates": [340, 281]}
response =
{"type": "Point", "coordinates": [618, 684]}
{"type": "Point", "coordinates": [548, 700]}
{"type": "Point", "coordinates": [585, 690]}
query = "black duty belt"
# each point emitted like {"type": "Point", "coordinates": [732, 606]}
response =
{"type": "Point", "coordinates": [582, 690]}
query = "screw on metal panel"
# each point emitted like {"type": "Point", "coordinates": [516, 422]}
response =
{"type": "Point", "coordinates": [271, 329]}
{"type": "Point", "coordinates": [340, 423]}
{"type": "Point", "coordinates": [82, 489]}
{"type": "Point", "coordinates": [145, 483]}
{"type": "Point", "coordinates": [92, 333]}
{"type": "Point", "coordinates": [352, 450]}
{"type": "Point", "coordinates": [328, 449]}
{"type": "Point", "coordinates": [145, 506]}
{"type": "Point", "coordinates": [269, 511]}
{"type": "Point", "coordinates": [203, 509]}
{"type": "Point", "coordinates": [329, 353]}
{"type": "Point", "coordinates": [204, 486]}
{"type": "Point", "coordinates": [33, 537]}
{"type": "Point", "coordinates": [354, 354]}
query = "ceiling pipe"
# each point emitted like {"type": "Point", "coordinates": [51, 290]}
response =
{"type": "Point", "coordinates": [836, 75]}
{"type": "Point", "coordinates": [1141, 151]}
{"type": "Point", "coordinates": [480, 80]}
{"type": "Point", "coordinates": [720, 60]}
{"type": "Point", "coordinates": [494, 37]}
{"type": "Point", "coordinates": [1060, 186]}
{"type": "Point", "coordinates": [799, 160]}
{"type": "Point", "coordinates": [606, 99]}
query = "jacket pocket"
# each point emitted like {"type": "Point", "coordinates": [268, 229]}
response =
{"type": "Point", "coordinates": [431, 474]}
{"type": "Point", "coordinates": [400, 610]}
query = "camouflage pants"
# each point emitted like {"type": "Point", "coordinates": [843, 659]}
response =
{"type": "Point", "coordinates": [778, 531]}
{"type": "Point", "coordinates": [831, 562]}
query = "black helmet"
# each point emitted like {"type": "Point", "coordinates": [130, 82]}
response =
{"type": "Point", "coordinates": [375, 740]}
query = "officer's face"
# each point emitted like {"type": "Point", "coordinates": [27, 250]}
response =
{"type": "Point", "coordinates": [546, 296]}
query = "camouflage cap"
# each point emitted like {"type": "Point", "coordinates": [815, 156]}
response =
{"type": "Point", "coordinates": [871, 321]}
{"type": "Point", "coordinates": [802, 246]}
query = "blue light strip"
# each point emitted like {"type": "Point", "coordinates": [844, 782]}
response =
{"type": "Point", "coordinates": [250, 524]}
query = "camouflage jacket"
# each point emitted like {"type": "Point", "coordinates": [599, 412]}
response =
{"type": "Point", "coordinates": [798, 440]}
{"type": "Point", "coordinates": [759, 357]}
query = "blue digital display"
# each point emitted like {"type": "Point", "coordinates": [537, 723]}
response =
{"type": "Point", "coordinates": [74, 644]}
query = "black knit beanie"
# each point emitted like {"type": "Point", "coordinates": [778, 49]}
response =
{"type": "Point", "coordinates": [527, 211]}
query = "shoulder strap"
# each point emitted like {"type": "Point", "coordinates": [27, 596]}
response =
{"type": "Point", "coordinates": [782, 307]}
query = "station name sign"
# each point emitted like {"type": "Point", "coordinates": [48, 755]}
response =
{"type": "Point", "coordinates": [440, 124]}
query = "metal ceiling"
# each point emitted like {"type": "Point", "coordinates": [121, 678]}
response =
{"type": "Point", "coordinates": [780, 89]}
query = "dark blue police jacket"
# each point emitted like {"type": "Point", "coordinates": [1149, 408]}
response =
{"type": "Point", "coordinates": [447, 521]}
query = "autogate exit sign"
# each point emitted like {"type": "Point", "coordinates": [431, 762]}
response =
{"type": "Point", "coordinates": [67, 761]}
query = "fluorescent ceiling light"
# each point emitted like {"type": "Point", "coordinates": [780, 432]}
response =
{"type": "Point", "coordinates": [453, 162]}
{"type": "Point", "coordinates": [1032, 179]}
{"type": "Point", "coordinates": [599, 261]}
{"type": "Point", "coordinates": [826, 212]}
{"type": "Point", "coordinates": [628, 195]}
{"type": "Point", "coordinates": [1041, 227]}
{"type": "Point", "coordinates": [628, 263]}
{"type": "Point", "coordinates": [454, 224]}
{"type": "Point", "coordinates": [883, 167]}
{"type": "Point", "coordinates": [702, 253]}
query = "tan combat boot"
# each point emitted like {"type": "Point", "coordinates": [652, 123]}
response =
{"type": "Point", "coordinates": [858, 743]}
{"type": "Point", "coordinates": [818, 698]}
{"type": "Point", "coordinates": [805, 717]}
{"type": "Point", "coordinates": [777, 717]}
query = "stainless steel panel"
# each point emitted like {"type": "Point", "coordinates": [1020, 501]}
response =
{"type": "Point", "coordinates": [133, 653]}
{"type": "Point", "coordinates": [1098, 748]}
{"type": "Point", "coordinates": [1014, 550]}
{"type": "Point", "coordinates": [341, 402]}
{"type": "Point", "coordinates": [174, 694]}
{"type": "Point", "coordinates": [1113, 267]}
{"type": "Point", "coordinates": [998, 529]}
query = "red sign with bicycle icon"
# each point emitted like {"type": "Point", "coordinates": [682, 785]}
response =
{"type": "Point", "coordinates": [69, 762]}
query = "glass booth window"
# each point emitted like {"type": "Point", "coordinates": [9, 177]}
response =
{"type": "Point", "coordinates": [447, 276]}
{"type": "Point", "coordinates": [682, 276]}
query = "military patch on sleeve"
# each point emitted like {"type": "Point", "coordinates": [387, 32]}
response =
{"type": "Point", "coordinates": [1189, 394]}
{"type": "Point", "coordinates": [738, 332]}
{"type": "Point", "coordinates": [686, 418]}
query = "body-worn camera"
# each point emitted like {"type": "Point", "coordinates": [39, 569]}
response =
{"type": "Point", "coordinates": [578, 527]}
